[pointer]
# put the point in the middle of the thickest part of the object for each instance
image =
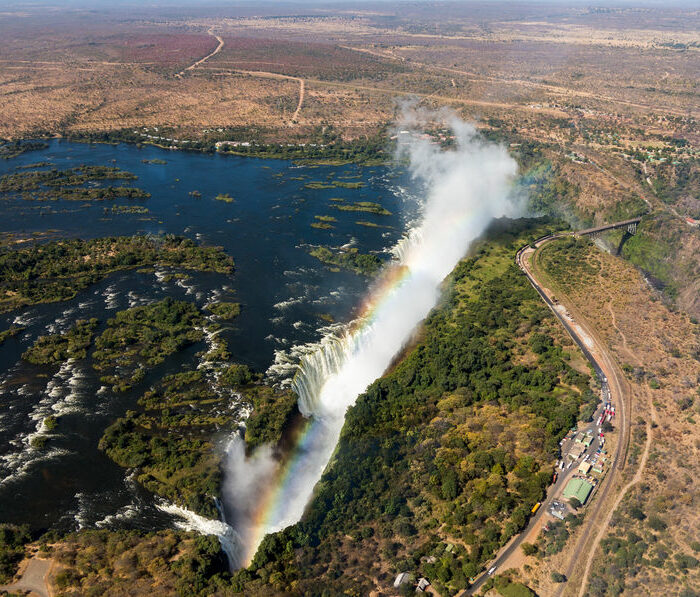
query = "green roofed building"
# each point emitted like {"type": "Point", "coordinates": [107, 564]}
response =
{"type": "Point", "coordinates": [578, 488]}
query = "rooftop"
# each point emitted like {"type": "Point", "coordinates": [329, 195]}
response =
{"type": "Point", "coordinates": [578, 488]}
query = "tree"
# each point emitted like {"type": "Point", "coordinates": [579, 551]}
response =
{"type": "Point", "coordinates": [656, 523]}
{"type": "Point", "coordinates": [529, 549]}
{"type": "Point", "coordinates": [558, 577]}
{"type": "Point", "coordinates": [575, 503]}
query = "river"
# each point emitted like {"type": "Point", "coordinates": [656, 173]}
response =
{"type": "Point", "coordinates": [283, 292]}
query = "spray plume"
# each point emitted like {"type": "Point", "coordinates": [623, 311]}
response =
{"type": "Point", "coordinates": [465, 189]}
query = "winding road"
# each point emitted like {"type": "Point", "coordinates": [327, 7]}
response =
{"type": "Point", "coordinates": [611, 379]}
{"type": "Point", "coordinates": [207, 57]}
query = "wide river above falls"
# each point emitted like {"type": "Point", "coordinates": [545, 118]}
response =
{"type": "Point", "coordinates": [286, 297]}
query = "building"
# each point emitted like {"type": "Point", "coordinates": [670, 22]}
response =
{"type": "Point", "coordinates": [423, 584]}
{"type": "Point", "coordinates": [579, 489]}
{"type": "Point", "coordinates": [402, 579]}
{"type": "Point", "coordinates": [584, 467]}
{"type": "Point", "coordinates": [584, 438]}
{"type": "Point", "coordinates": [576, 451]}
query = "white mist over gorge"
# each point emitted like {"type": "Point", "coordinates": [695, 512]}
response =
{"type": "Point", "coordinates": [465, 188]}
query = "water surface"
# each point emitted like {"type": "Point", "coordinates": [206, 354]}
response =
{"type": "Point", "coordinates": [286, 296]}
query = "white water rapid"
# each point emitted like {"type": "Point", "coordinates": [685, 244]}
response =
{"type": "Point", "coordinates": [466, 187]}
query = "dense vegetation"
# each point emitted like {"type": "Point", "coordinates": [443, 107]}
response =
{"type": "Point", "coordinates": [57, 348]}
{"type": "Point", "coordinates": [365, 206]}
{"type": "Point", "coordinates": [57, 270]}
{"type": "Point", "coordinates": [35, 179]}
{"type": "Point", "coordinates": [352, 259]}
{"type": "Point", "coordinates": [141, 337]}
{"type": "Point", "coordinates": [224, 310]}
{"type": "Point", "coordinates": [10, 332]}
{"type": "Point", "coordinates": [324, 145]}
{"type": "Point", "coordinates": [170, 440]}
{"type": "Point", "coordinates": [95, 563]}
{"type": "Point", "coordinates": [274, 412]}
{"type": "Point", "coordinates": [11, 149]}
{"type": "Point", "coordinates": [441, 460]}
{"type": "Point", "coordinates": [12, 542]}
{"type": "Point", "coordinates": [126, 209]}
{"type": "Point", "coordinates": [92, 194]}
{"type": "Point", "coordinates": [53, 184]}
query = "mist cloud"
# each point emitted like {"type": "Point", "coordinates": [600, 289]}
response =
{"type": "Point", "coordinates": [465, 188]}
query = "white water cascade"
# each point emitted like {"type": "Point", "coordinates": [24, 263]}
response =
{"type": "Point", "coordinates": [466, 188]}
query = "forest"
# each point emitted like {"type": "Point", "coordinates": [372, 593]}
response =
{"type": "Point", "coordinates": [58, 270]}
{"type": "Point", "coordinates": [441, 460]}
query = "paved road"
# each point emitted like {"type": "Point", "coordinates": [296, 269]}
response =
{"type": "Point", "coordinates": [565, 475]}
{"type": "Point", "coordinates": [33, 579]}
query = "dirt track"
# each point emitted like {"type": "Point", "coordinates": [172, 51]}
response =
{"type": "Point", "coordinates": [207, 57]}
{"type": "Point", "coordinates": [295, 116]}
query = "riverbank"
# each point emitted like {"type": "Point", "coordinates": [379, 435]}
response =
{"type": "Point", "coordinates": [370, 151]}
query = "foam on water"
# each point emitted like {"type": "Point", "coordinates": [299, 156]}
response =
{"type": "Point", "coordinates": [465, 189]}
{"type": "Point", "coordinates": [189, 521]}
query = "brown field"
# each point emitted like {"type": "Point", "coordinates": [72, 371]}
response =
{"type": "Point", "coordinates": [660, 351]}
{"type": "Point", "coordinates": [604, 99]}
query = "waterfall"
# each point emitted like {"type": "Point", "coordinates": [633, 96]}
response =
{"type": "Point", "coordinates": [187, 520]}
{"type": "Point", "coordinates": [466, 188]}
{"type": "Point", "coordinates": [316, 367]}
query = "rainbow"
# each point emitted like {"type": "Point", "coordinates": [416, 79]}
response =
{"type": "Point", "coordinates": [274, 500]}
{"type": "Point", "coordinates": [468, 188]}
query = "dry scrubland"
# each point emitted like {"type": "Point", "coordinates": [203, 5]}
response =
{"type": "Point", "coordinates": [651, 545]}
{"type": "Point", "coordinates": [604, 99]}
{"type": "Point", "coordinates": [600, 107]}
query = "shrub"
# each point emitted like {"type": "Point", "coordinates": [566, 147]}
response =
{"type": "Point", "coordinates": [656, 523]}
{"type": "Point", "coordinates": [636, 513]}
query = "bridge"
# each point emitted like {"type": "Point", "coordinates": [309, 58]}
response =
{"type": "Point", "coordinates": [630, 225]}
